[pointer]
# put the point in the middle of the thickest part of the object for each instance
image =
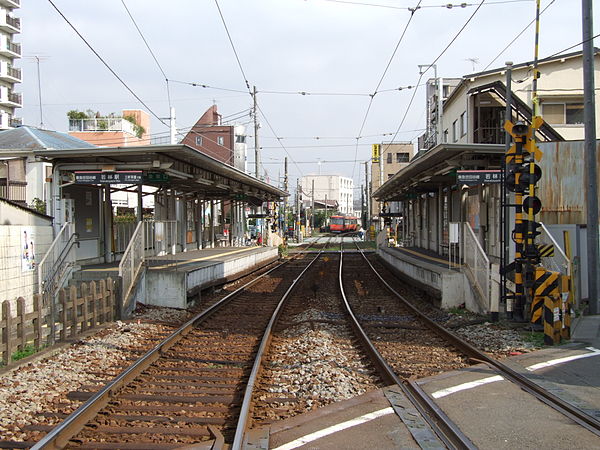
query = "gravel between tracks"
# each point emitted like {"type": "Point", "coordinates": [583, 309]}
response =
{"type": "Point", "coordinates": [42, 385]}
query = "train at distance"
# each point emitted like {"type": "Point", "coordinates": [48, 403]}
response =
{"type": "Point", "coordinates": [343, 224]}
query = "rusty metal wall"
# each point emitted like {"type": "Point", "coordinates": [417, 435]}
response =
{"type": "Point", "coordinates": [563, 183]}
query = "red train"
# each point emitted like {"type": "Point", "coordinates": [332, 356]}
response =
{"type": "Point", "coordinates": [343, 224]}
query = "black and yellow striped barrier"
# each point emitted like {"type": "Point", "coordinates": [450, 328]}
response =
{"type": "Point", "coordinates": [546, 307]}
{"type": "Point", "coordinates": [546, 250]}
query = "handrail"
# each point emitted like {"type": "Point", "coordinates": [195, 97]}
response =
{"type": "Point", "coordinates": [483, 284]}
{"type": "Point", "coordinates": [131, 262]}
{"type": "Point", "coordinates": [558, 248]}
{"type": "Point", "coordinates": [49, 252]}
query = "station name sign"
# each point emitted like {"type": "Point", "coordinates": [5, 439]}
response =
{"type": "Point", "coordinates": [99, 177]}
{"type": "Point", "coordinates": [474, 177]}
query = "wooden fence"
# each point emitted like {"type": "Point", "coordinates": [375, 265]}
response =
{"type": "Point", "coordinates": [79, 308]}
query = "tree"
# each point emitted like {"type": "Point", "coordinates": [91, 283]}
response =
{"type": "Point", "coordinates": [75, 114]}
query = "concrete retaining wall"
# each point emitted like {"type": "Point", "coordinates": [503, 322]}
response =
{"type": "Point", "coordinates": [449, 287]}
{"type": "Point", "coordinates": [172, 288]}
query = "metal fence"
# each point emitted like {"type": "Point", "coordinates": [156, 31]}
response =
{"type": "Point", "coordinates": [477, 263]}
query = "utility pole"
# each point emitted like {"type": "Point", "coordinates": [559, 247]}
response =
{"type": "Point", "coordinates": [37, 59]}
{"type": "Point", "coordinates": [172, 126]}
{"type": "Point", "coordinates": [367, 198]}
{"type": "Point", "coordinates": [504, 210]}
{"type": "Point", "coordinates": [312, 209]}
{"type": "Point", "coordinates": [298, 216]}
{"type": "Point", "coordinates": [256, 147]}
{"type": "Point", "coordinates": [590, 156]}
{"type": "Point", "coordinates": [285, 188]}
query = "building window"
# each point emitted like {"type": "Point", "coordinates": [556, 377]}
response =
{"type": "Point", "coordinates": [454, 134]}
{"type": "Point", "coordinates": [389, 158]}
{"type": "Point", "coordinates": [198, 140]}
{"type": "Point", "coordinates": [563, 113]}
{"type": "Point", "coordinates": [402, 157]}
{"type": "Point", "coordinates": [463, 124]}
{"type": "Point", "coordinates": [220, 140]}
{"type": "Point", "coordinates": [240, 139]}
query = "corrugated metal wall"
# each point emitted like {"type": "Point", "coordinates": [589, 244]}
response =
{"type": "Point", "coordinates": [563, 184]}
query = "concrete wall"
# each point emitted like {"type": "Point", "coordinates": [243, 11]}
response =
{"type": "Point", "coordinates": [449, 287]}
{"type": "Point", "coordinates": [171, 288]}
{"type": "Point", "coordinates": [18, 274]}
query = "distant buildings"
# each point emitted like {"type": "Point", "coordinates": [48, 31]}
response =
{"type": "Point", "coordinates": [10, 26]}
{"type": "Point", "coordinates": [330, 188]}
{"type": "Point", "coordinates": [227, 143]}
{"type": "Point", "coordinates": [131, 128]}
{"type": "Point", "coordinates": [393, 156]}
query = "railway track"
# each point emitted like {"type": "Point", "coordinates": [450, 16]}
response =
{"type": "Point", "coordinates": [474, 354]}
{"type": "Point", "coordinates": [191, 387]}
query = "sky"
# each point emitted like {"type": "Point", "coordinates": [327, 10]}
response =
{"type": "Point", "coordinates": [337, 52]}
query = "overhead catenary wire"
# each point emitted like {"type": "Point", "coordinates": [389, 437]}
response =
{"type": "Point", "coordinates": [362, 126]}
{"type": "Point", "coordinates": [106, 64]}
{"type": "Point", "coordinates": [517, 37]}
{"type": "Point", "coordinates": [461, 5]}
{"type": "Point", "coordinates": [425, 71]}
{"type": "Point", "coordinates": [150, 50]}
{"type": "Point", "coordinates": [233, 48]}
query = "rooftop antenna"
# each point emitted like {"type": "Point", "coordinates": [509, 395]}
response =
{"type": "Point", "coordinates": [38, 58]}
{"type": "Point", "coordinates": [474, 61]}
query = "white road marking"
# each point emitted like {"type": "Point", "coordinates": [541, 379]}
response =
{"type": "Point", "coordinates": [594, 352]}
{"type": "Point", "coordinates": [334, 429]}
{"type": "Point", "coordinates": [473, 384]}
{"type": "Point", "coordinates": [465, 386]}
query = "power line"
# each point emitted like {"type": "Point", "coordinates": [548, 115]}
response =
{"type": "Point", "coordinates": [573, 46]}
{"type": "Point", "coordinates": [233, 47]}
{"type": "Point", "coordinates": [412, 13]}
{"type": "Point", "coordinates": [517, 36]}
{"type": "Point", "coordinates": [150, 50]}
{"type": "Point", "coordinates": [106, 64]}
{"type": "Point", "coordinates": [206, 86]}
{"type": "Point", "coordinates": [425, 71]}
{"type": "Point", "coordinates": [461, 5]}
{"type": "Point", "coordinates": [319, 138]}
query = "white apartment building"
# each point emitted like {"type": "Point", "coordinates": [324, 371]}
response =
{"type": "Point", "coordinates": [330, 187]}
{"type": "Point", "coordinates": [10, 27]}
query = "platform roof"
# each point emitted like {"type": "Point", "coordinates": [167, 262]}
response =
{"type": "Point", "coordinates": [189, 170]}
{"type": "Point", "coordinates": [436, 168]}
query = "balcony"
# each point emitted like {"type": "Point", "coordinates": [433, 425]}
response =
{"type": "Point", "coordinates": [10, 99]}
{"type": "Point", "coordinates": [13, 190]}
{"type": "Point", "coordinates": [11, 3]}
{"type": "Point", "coordinates": [10, 74]}
{"type": "Point", "coordinates": [101, 124]}
{"type": "Point", "coordinates": [10, 24]}
{"type": "Point", "coordinates": [10, 49]}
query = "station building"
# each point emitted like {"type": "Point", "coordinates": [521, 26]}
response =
{"type": "Point", "coordinates": [448, 237]}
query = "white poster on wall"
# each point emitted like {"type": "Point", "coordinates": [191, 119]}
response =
{"type": "Point", "coordinates": [28, 261]}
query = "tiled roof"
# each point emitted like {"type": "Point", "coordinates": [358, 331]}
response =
{"type": "Point", "coordinates": [31, 138]}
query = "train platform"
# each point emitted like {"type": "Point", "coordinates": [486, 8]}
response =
{"type": "Point", "coordinates": [171, 280]}
{"type": "Point", "coordinates": [433, 273]}
{"type": "Point", "coordinates": [491, 411]}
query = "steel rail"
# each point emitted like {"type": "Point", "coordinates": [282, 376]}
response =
{"type": "Point", "coordinates": [242, 424]}
{"type": "Point", "coordinates": [578, 416]}
{"type": "Point", "coordinates": [74, 423]}
{"type": "Point", "coordinates": [439, 422]}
